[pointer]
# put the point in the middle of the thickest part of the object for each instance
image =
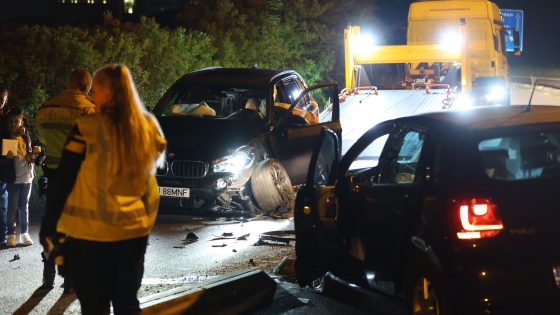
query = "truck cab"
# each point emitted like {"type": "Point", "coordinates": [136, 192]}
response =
{"type": "Point", "coordinates": [476, 24]}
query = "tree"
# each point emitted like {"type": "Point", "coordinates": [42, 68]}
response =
{"type": "Point", "coordinates": [37, 60]}
{"type": "Point", "coordinates": [305, 35]}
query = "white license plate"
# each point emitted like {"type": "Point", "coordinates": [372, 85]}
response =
{"type": "Point", "coordinates": [177, 192]}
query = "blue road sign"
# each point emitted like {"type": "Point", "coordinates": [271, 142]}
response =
{"type": "Point", "coordinates": [513, 20]}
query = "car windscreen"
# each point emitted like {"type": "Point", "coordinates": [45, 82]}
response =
{"type": "Point", "coordinates": [533, 152]}
{"type": "Point", "coordinates": [211, 101]}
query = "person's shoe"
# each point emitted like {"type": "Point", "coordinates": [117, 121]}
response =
{"type": "Point", "coordinates": [25, 239]}
{"type": "Point", "coordinates": [12, 241]}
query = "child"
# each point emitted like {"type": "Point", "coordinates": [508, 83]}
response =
{"type": "Point", "coordinates": [18, 172]}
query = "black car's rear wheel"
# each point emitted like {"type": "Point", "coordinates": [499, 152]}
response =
{"type": "Point", "coordinates": [272, 187]}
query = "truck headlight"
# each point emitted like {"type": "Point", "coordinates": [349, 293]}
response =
{"type": "Point", "coordinates": [496, 93]}
{"type": "Point", "coordinates": [236, 162]}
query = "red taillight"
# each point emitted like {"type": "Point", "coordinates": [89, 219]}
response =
{"type": "Point", "coordinates": [478, 218]}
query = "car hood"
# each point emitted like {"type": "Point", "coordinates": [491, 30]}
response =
{"type": "Point", "coordinates": [206, 139]}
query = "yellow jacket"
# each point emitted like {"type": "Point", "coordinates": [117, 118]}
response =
{"type": "Point", "coordinates": [104, 207]}
{"type": "Point", "coordinates": [56, 117]}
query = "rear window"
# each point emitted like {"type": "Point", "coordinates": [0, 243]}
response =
{"type": "Point", "coordinates": [528, 155]}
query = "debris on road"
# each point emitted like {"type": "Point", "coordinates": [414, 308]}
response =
{"type": "Point", "coordinates": [219, 245]}
{"type": "Point", "coordinates": [16, 257]}
{"type": "Point", "coordinates": [234, 250]}
{"type": "Point", "coordinates": [179, 246]}
{"type": "Point", "coordinates": [243, 237]}
{"type": "Point", "coordinates": [191, 238]}
{"type": "Point", "coordinates": [229, 236]}
{"type": "Point", "coordinates": [252, 262]}
{"type": "Point", "coordinates": [283, 236]}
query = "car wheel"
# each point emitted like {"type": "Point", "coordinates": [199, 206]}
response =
{"type": "Point", "coordinates": [272, 187]}
{"type": "Point", "coordinates": [426, 297]}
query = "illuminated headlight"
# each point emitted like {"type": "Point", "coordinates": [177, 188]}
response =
{"type": "Point", "coordinates": [451, 40]}
{"type": "Point", "coordinates": [496, 93]}
{"type": "Point", "coordinates": [236, 162]}
{"type": "Point", "coordinates": [366, 43]}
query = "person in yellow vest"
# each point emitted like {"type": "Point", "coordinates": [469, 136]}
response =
{"type": "Point", "coordinates": [53, 122]}
{"type": "Point", "coordinates": [105, 196]}
{"type": "Point", "coordinates": [56, 117]}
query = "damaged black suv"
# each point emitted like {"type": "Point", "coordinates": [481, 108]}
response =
{"type": "Point", "coordinates": [240, 139]}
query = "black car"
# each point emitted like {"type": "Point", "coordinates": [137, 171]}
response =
{"type": "Point", "coordinates": [454, 212]}
{"type": "Point", "coordinates": [240, 139]}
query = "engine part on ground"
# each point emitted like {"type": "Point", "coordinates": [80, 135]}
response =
{"type": "Point", "coordinates": [283, 236]}
{"type": "Point", "coordinates": [272, 187]}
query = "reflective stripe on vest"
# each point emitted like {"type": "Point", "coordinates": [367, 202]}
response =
{"type": "Point", "coordinates": [103, 206]}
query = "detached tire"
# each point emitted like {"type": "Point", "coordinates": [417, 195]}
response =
{"type": "Point", "coordinates": [272, 187]}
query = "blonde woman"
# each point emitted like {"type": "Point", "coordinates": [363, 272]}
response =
{"type": "Point", "coordinates": [105, 197]}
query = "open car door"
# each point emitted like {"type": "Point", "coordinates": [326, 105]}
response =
{"type": "Point", "coordinates": [316, 211]}
{"type": "Point", "coordinates": [298, 130]}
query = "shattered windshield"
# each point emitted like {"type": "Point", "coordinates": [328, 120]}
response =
{"type": "Point", "coordinates": [211, 101]}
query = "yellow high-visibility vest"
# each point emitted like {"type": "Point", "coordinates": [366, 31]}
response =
{"type": "Point", "coordinates": [102, 206]}
{"type": "Point", "coordinates": [55, 119]}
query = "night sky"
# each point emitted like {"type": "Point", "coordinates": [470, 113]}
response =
{"type": "Point", "coordinates": [541, 39]}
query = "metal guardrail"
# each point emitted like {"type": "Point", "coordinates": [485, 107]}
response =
{"type": "Point", "coordinates": [541, 81]}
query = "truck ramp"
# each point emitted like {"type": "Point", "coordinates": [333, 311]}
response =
{"type": "Point", "coordinates": [359, 112]}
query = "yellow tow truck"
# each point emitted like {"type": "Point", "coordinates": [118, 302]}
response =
{"type": "Point", "coordinates": [458, 45]}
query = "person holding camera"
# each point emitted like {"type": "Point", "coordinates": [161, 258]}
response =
{"type": "Point", "coordinates": [18, 171]}
{"type": "Point", "coordinates": [105, 199]}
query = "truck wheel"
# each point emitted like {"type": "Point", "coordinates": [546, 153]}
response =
{"type": "Point", "coordinates": [272, 187]}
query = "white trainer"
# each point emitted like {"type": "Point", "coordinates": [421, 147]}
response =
{"type": "Point", "coordinates": [25, 239]}
{"type": "Point", "coordinates": [12, 241]}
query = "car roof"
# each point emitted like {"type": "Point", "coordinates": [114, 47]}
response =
{"type": "Point", "coordinates": [246, 77]}
{"type": "Point", "coordinates": [486, 117]}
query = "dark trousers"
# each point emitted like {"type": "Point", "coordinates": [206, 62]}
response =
{"type": "Point", "coordinates": [3, 211]}
{"type": "Point", "coordinates": [49, 268]}
{"type": "Point", "coordinates": [106, 272]}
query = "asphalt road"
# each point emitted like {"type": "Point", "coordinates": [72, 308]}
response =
{"type": "Point", "coordinates": [171, 262]}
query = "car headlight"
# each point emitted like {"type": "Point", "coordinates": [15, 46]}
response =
{"type": "Point", "coordinates": [236, 162]}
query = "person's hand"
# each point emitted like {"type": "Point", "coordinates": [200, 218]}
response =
{"type": "Point", "coordinates": [47, 242]}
